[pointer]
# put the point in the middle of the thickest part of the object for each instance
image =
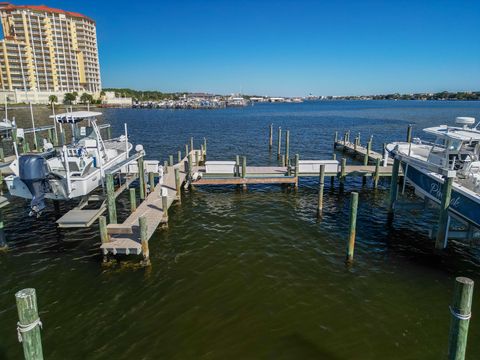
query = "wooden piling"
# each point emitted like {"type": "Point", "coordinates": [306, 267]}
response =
{"type": "Point", "coordinates": [179, 156]}
{"type": "Point", "coordinates": [112, 207]}
{"type": "Point", "coordinates": [165, 166]}
{"type": "Point", "coordinates": [409, 133]}
{"type": "Point", "coordinates": [197, 162]}
{"type": "Point", "coordinates": [237, 165]}
{"type": "Point", "coordinates": [355, 144]}
{"type": "Point", "coordinates": [201, 153]}
{"type": "Point", "coordinates": [283, 161]}
{"type": "Point", "coordinates": [270, 139]}
{"type": "Point", "coordinates": [29, 324]}
{"type": "Point", "coordinates": [332, 178]}
{"type": "Point", "coordinates": [367, 153]}
{"type": "Point", "coordinates": [191, 143]}
{"type": "Point", "coordinates": [297, 169]}
{"type": "Point", "coordinates": [394, 185]}
{"type": "Point", "coordinates": [186, 150]}
{"type": "Point", "coordinates": [335, 140]}
{"type": "Point", "coordinates": [142, 221]}
{"type": "Point", "coordinates": [343, 171]}
{"type": "Point", "coordinates": [376, 176]}
{"type": "Point", "coordinates": [444, 218]}
{"type": "Point", "coordinates": [151, 181]}
{"type": "Point", "coordinates": [244, 167]}
{"type": "Point", "coordinates": [104, 237]}
{"type": "Point", "coordinates": [165, 207]}
{"type": "Point", "coordinates": [133, 200]}
{"type": "Point", "coordinates": [460, 311]}
{"type": "Point", "coordinates": [102, 224]}
{"type": "Point", "coordinates": [321, 185]}
{"type": "Point", "coordinates": [352, 226]}
{"type": "Point", "coordinates": [170, 160]}
{"type": "Point", "coordinates": [287, 146]}
{"type": "Point", "coordinates": [190, 166]}
{"type": "Point", "coordinates": [204, 149]}
{"type": "Point", "coordinates": [279, 149]}
{"type": "Point", "coordinates": [141, 177]}
{"type": "Point", "coordinates": [109, 132]}
{"type": "Point", "coordinates": [178, 184]}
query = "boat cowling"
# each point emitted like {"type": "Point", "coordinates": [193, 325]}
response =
{"type": "Point", "coordinates": [33, 172]}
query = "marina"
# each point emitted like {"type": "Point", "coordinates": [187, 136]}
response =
{"type": "Point", "coordinates": [271, 196]}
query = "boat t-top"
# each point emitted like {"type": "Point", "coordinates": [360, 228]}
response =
{"type": "Point", "coordinates": [455, 152]}
{"type": "Point", "coordinates": [70, 171]}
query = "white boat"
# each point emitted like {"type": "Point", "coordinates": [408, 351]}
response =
{"type": "Point", "coordinates": [455, 153]}
{"type": "Point", "coordinates": [71, 171]}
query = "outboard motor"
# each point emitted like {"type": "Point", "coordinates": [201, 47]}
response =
{"type": "Point", "coordinates": [33, 172]}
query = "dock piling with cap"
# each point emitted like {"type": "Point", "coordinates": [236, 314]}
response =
{"type": "Point", "coordinates": [29, 324]}
{"type": "Point", "coordinates": [460, 310]}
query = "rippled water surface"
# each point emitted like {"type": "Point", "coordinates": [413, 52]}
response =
{"type": "Point", "coordinates": [247, 275]}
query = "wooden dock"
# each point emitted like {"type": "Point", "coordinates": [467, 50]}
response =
{"type": "Point", "coordinates": [125, 238]}
{"type": "Point", "coordinates": [358, 150]}
{"type": "Point", "coordinates": [279, 175]}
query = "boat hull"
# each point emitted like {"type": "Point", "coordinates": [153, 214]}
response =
{"type": "Point", "coordinates": [464, 203]}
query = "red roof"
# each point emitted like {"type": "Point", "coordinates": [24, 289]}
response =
{"type": "Point", "coordinates": [42, 8]}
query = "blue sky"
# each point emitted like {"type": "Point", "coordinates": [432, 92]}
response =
{"type": "Point", "coordinates": [287, 47]}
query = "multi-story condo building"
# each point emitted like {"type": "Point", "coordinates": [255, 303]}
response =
{"type": "Point", "coordinates": [47, 50]}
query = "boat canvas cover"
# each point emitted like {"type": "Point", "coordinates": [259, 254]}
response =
{"type": "Point", "coordinates": [75, 116]}
{"type": "Point", "coordinates": [454, 133]}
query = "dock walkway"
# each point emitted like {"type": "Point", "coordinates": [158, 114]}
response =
{"type": "Point", "coordinates": [125, 237]}
{"type": "Point", "coordinates": [360, 151]}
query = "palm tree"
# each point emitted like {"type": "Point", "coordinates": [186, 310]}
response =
{"type": "Point", "coordinates": [86, 98]}
{"type": "Point", "coordinates": [52, 99]}
{"type": "Point", "coordinates": [69, 97]}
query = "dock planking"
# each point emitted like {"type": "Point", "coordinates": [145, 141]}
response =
{"type": "Point", "coordinates": [125, 237]}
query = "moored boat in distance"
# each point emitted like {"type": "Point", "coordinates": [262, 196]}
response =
{"type": "Point", "coordinates": [70, 171]}
{"type": "Point", "coordinates": [454, 153]}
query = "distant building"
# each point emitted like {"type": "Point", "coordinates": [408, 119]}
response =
{"type": "Point", "coordinates": [111, 100]}
{"type": "Point", "coordinates": [46, 51]}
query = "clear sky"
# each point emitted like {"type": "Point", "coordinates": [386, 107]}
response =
{"type": "Point", "coordinates": [287, 47]}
